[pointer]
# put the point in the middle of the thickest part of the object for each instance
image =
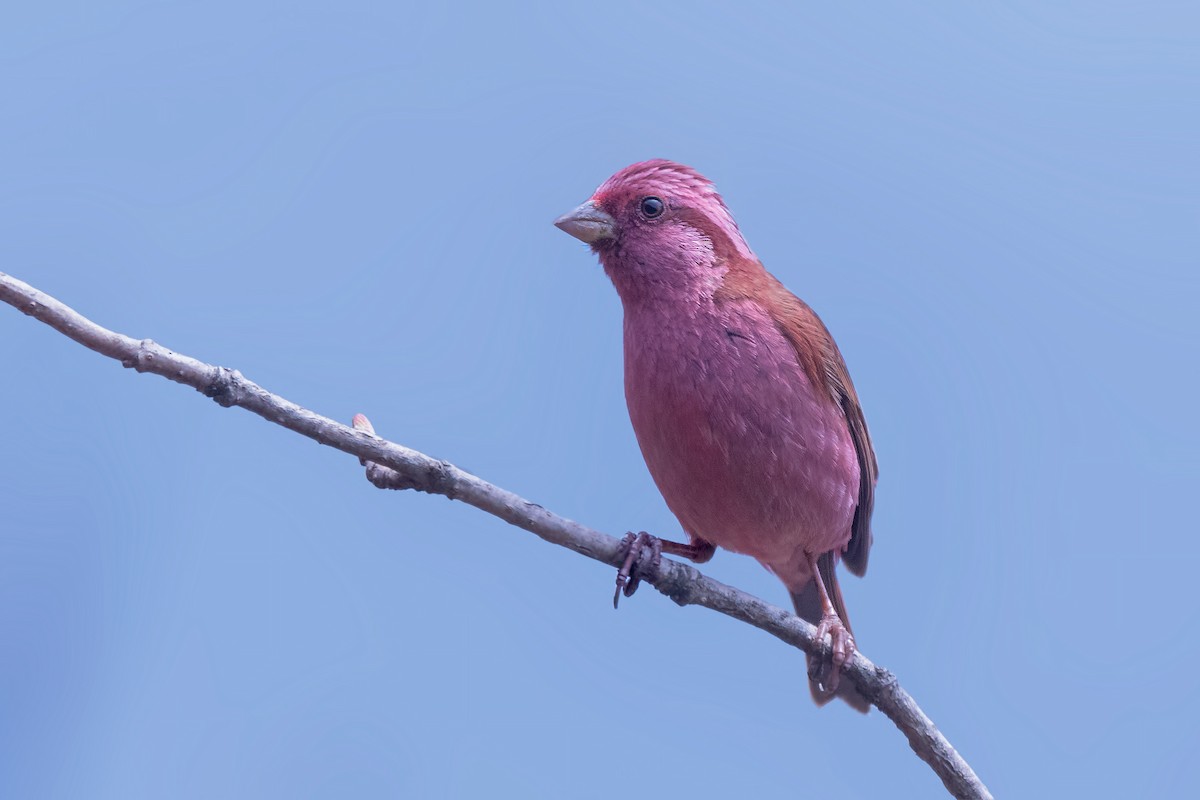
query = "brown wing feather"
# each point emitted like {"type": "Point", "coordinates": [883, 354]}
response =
{"type": "Point", "coordinates": [859, 547]}
{"type": "Point", "coordinates": [822, 361]}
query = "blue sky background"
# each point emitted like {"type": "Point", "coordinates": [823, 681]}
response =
{"type": "Point", "coordinates": [993, 208]}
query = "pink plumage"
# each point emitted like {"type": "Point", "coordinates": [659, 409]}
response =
{"type": "Point", "coordinates": [740, 400]}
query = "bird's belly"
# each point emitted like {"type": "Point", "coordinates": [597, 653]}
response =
{"type": "Point", "coordinates": [745, 452]}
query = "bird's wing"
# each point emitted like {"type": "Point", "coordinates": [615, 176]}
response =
{"type": "Point", "coordinates": [818, 354]}
{"type": "Point", "coordinates": [859, 547]}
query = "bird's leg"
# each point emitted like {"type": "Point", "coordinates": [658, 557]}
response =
{"type": "Point", "coordinates": [840, 638]}
{"type": "Point", "coordinates": [635, 544]}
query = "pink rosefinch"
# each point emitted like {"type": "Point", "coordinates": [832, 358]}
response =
{"type": "Point", "coordinates": [739, 397]}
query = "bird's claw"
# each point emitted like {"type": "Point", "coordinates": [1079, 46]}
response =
{"type": "Point", "coordinates": [636, 566]}
{"type": "Point", "coordinates": [827, 672]}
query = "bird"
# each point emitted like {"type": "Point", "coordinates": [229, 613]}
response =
{"type": "Point", "coordinates": [740, 400]}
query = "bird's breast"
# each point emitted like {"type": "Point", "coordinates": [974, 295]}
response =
{"type": "Point", "coordinates": [747, 453]}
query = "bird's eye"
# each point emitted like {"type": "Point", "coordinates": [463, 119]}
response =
{"type": "Point", "coordinates": [652, 207]}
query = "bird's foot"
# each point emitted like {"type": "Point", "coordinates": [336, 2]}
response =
{"type": "Point", "coordinates": [827, 671]}
{"type": "Point", "coordinates": [643, 555]}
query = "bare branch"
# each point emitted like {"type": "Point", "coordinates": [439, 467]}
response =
{"type": "Point", "coordinates": [407, 468]}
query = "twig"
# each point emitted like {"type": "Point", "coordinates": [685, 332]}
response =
{"type": "Point", "coordinates": [407, 468]}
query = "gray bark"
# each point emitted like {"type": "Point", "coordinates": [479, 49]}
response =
{"type": "Point", "coordinates": [394, 466]}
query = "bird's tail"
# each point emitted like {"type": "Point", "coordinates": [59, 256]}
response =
{"type": "Point", "coordinates": [808, 607]}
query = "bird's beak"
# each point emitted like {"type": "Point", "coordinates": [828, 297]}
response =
{"type": "Point", "coordinates": [587, 223]}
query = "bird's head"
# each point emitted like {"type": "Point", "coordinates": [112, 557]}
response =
{"type": "Point", "coordinates": [658, 227]}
